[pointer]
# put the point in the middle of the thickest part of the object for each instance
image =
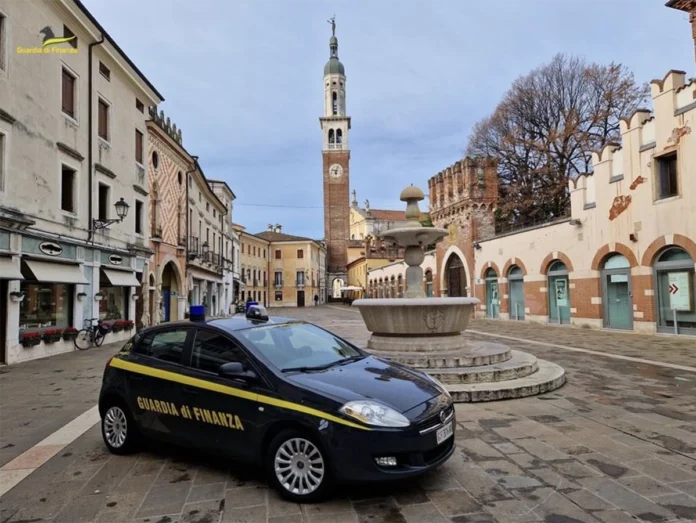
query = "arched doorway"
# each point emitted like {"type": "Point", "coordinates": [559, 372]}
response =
{"type": "Point", "coordinates": [675, 289]}
{"type": "Point", "coordinates": [559, 292]}
{"type": "Point", "coordinates": [336, 287]}
{"type": "Point", "coordinates": [492, 300]}
{"type": "Point", "coordinates": [516, 292]}
{"type": "Point", "coordinates": [617, 292]}
{"type": "Point", "coordinates": [456, 276]}
{"type": "Point", "coordinates": [171, 289]}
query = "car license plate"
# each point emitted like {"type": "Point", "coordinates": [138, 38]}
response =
{"type": "Point", "coordinates": [444, 432]}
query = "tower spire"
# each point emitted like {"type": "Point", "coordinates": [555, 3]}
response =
{"type": "Point", "coordinates": [333, 41]}
{"type": "Point", "coordinates": [332, 21]}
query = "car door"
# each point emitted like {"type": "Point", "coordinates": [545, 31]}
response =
{"type": "Point", "coordinates": [223, 409]}
{"type": "Point", "coordinates": [153, 381]}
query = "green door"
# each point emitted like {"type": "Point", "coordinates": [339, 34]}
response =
{"type": "Point", "coordinates": [516, 286]}
{"type": "Point", "coordinates": [617, 299]}
{"type": "Point", "coordinates": [492, 300]}
{"type": "Point", "coordinates": [559, 299]}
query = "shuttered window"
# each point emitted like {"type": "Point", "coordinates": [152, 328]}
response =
{"type": "Point", "coordinates": [68, 96]}
{"type": "Point", "coordinates": [138, 146]}
{"type": "Point", "coordinates": [103, 120]}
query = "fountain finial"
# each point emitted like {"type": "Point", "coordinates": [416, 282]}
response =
{"type": "Point", "coordinates": [412, 195]}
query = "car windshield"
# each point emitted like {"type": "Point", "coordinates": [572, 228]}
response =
{"type": "Point", "coordinates": [299, 346]}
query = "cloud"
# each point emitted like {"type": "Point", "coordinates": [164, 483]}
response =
{"type": "Point", "coordinates": [243, 80]}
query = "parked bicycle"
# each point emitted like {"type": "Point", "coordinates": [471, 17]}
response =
{"type": "Point", "coordinates": [91, 334]}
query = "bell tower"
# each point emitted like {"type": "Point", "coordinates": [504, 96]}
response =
{"type": "Point", "coordinates": [335, 126]}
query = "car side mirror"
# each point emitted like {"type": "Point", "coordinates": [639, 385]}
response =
{"type": "Point", "coordinates": [235, 370]}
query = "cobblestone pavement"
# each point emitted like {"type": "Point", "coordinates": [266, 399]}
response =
{"type": "Point", "coordinates": [616, 444]}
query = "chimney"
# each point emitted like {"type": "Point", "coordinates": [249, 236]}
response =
{"type": "Point", "coordinates": [278, 228]}
{"type": "Point", "coordinates": [270, 227]}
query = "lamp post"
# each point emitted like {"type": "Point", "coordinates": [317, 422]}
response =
{"type": "Point", "coordinates": [121, 211]}
{"type": "Point", "coordinates": [205, 248]}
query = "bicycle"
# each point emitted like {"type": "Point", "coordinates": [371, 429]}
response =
{"type": "Point", "coordinates": [91, 334]}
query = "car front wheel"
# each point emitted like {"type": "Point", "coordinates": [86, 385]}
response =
{"type": "Point", "coordinates": [118, 429]}
{"type": "Point", "coordinates": [298, 467]}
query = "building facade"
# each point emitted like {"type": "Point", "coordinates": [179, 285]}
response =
{"type": "Point", "coordinates": [335, 126]}
{"type": "Point", "coordinates": [72, 179]}
{"type": "Point", "coordinates": [205, 265]}
{"type": "Point", "coordinates": [229, 245]}
{"type": "Point", "coordinates": [389, 281]}
{"type": "Point", "coordinates": [164, 287]}
{"type": "Point", "coordinates": [254, 267]}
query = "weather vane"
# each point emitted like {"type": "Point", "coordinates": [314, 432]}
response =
{"type": "Point", "coordinates": [332, 21]}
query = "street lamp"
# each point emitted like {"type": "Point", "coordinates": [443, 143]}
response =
{"type": "Point", "coordinates": [204, 249]}
{"type": "Point", "coordinates": [121, 211]}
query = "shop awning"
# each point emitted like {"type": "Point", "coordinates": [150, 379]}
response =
{"type": "Point", "coordinates": [9, 271]}
{"type": "Point", "coordinates": [56, 272]}
{"type": "Point", "coordinates": [121, 278]}
{"type": "Point", "coordinates": [351, 288]}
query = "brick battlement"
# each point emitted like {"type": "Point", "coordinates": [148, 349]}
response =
{"type": "Point", "coordinates": [166, 125]}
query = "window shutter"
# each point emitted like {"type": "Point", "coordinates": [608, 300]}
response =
{"type": "Point", "coordinates": [103, 113]}
{"type": "Point", "coordinates": [68, 94]}
{"type": "Point", "coordinates": [138, 146]}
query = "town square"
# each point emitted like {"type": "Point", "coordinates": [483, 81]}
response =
{"type": "Point", "coordinates": [467, 295]}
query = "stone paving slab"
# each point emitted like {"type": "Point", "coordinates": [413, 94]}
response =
{"type": "Point", "coordinates": [616, 444]}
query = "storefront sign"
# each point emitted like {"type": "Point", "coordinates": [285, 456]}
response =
{"type": "Point", "coordinates": [561, 292]}
{"type": "Point", "coordinates": [115, 259]}
{"type": "Point", "coordinates": [50, 248]}
{"type": "Point", "coordinates": [679, 291]}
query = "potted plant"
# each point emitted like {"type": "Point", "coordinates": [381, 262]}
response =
{"type": "Point", "coordinates": [99, 296]}
{"type": "Point", "coordinates": [117, 326]}
{"type": "Point", "coordinates": [128, 325]}
{"type": "Point", "coordinates": [52, 335]}
{"type": "Point", "coordinates": [17, 296]}
{"type": "Point", "coordinates": [70, 334]}
{"type": "Point", "coordinates": [29, 339]}
{"type": "Point", "coordinates": [81, 295]}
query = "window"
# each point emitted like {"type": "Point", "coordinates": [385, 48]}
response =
{"type": "Point", "coordinates": [214, 213]}
{"type": "Point", "coordinates": [279, 296]}
{"type": "Point", "coordinates": [286, 346]}
{"type": "Point", "coordinates": [277, 254]}
{"type": "Point", "coordinates": [67, 33]}
{"type": "Point", "coordinates": [300, 254]}
{"type": "Point", "coordinates": [264, 254]}
{"type": "Point", "coordinates": [334, 103]}
{"type": "Point", "coordinates": [207, 207]}
{"type": "Point", "coordinates": [139, 106]}
{"type": "Point", "coordinates": [68, 94]}
{"type": "Point", "coordinates": [105, 71]}
{"type": "Point", "coordinates": [67, 189]}
{"type": "Point", "coordinates": [300, 278]}
{"type": "Point", "coordinates": [45, 305]}
{"type": "Point", "coordinates": [210, 350]}
{"type": "Point", "coordinates": [155, 159]}
{"type": "Point", "coordinates": [103, 120]}
{"type": "Point", "coordinates": [166, 346]}
{"type": "Point", "coordinates": [138, 146]}
{"type": "Point", "coordinates": [180, 177]}
{"type": "Point", "coordinates": [2, 162]}
{"type": "Point", "coordinates": [190, 182]}
{"type": "Point", "coordinates": [103, 210]}
{"type": "Point", "coordinates": [278, 278]}
{"type": "Point", "coordinates": [138, 217]}
{"type": "Point", "coordinates": [3, 31]}
{"type": "Point", "coordinates": [667, 176]}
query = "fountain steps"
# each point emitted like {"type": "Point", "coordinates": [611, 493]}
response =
{"type": "Point", "coordinates": [519, 365]}
{"type": "Point", "coordinates": [548, 377]}
{"type": "Point", "coordinates": [485, 354]}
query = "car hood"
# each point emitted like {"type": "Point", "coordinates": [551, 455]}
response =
{"type": "Point", "coordinates": [392, 384]}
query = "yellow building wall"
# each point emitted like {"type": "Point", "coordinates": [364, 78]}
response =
{"type": "Point", "coordinates": [289, 264]}
{"type": "Point", "coordinates": [254, 258]}
{"type": "Point", "coordinates": [358, 226]}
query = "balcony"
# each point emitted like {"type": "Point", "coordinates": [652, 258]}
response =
{"type": "Point", "coordinates": [256, 282]}
{"type": "Point", "coordinates": [156, 232]}
{"type": "Point", "coordinates": [193, 246]}
{"type": "Point", "coordinates": [335, 146]}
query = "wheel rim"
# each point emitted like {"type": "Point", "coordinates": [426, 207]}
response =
{"type": "Point", "coordinates": [299, 466]}
{"type": "Point", "coordinates": [115, 427]}
{"type": "Point", "coordinates": [82, 340]}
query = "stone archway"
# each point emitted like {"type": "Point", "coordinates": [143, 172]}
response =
{"type": "Point", "coordinates": [455, 276]}
{"type": "Point", "coordinates": [453, 250]}
{"type": "Point", "coordinates": [171, 291]}
{"type": "Point", "coordinates": [336, 287]}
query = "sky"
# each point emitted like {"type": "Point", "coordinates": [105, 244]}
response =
{"type": "Point", "coordinates": [243, 79]}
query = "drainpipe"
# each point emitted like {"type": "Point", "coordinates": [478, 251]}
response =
{"type": "Point", "coordinates": [188, 232]}
{"type": "Point", "coordinates": [90, 138]}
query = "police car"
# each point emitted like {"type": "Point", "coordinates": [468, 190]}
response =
{"type": "Point", "coordinates": [307, 405]}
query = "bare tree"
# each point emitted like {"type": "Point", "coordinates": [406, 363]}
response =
{"type": "Point", "coordinates": [543, 132]}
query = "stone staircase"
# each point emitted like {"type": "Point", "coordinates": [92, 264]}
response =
{"type": "Point", "coordinates": [484, 371]}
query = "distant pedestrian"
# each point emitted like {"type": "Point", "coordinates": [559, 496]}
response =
{"type": "Point", "coordinates": [316, 300]}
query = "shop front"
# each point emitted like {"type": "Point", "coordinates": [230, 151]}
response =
{"type": "Point", "coordinates": [116, 292]}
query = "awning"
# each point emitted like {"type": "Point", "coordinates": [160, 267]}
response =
{"type": "Point", "coordinates": [56, 272]}
{"type": "Point", "coordinates": [351, 288]}
{"type": "Point", "coordinates": [121, 278]}
{"type": "Point", "coordinates": [9, 271]}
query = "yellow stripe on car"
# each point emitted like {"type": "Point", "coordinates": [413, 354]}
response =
{"type": "Point", "coordinates": [230, 391]}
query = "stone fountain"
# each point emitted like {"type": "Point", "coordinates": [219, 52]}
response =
{"type": "Point", "coordinates": [427, 333]}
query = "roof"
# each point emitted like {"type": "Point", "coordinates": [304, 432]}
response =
{"type": "Point", "coordinates": [234, 197]}
{"type": "Point", "coordinates": [334, 66]}
{"type": "Point", "coordinates": [682, 5]}
{"type": "Point", "coordinates": [89, 15]}
{"type": "Point", "coordinates": [273, 236]}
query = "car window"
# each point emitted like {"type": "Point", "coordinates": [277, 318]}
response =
{"type": "Point", "coordinates": [211, 349]}
{"type": "Point", "coordinates": [165, 346]}
{"type": "Point", "coordinates": [297, 345]}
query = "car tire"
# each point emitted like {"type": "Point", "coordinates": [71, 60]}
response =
{"type": "Point", "coordinates": [118, 429]}
{"type": "Point", "coordinates": [297, 467]}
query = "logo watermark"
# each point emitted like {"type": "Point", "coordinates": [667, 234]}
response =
{"type": "Point", "coordinates": [50, 44]}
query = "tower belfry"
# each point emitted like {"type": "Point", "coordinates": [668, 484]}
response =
{"type": "Point", "coordinates": [335, 126]}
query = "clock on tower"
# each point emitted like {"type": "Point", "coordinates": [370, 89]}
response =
{"type": "Point", "coordinates": [335, 126]}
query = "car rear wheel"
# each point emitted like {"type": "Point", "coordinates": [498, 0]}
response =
{"type": "Point", "coordinates": [297, 467]}
{"type": "Point", "coordinates": [118, 429]}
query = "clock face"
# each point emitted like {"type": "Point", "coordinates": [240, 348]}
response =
{"type": "Point", "coordinates": [336, 171]}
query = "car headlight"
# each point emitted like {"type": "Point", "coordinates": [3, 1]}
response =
{"type": "Point", "coordinates": [439, 384]}
{"type": "Point", "coordinates": [373, 413]}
